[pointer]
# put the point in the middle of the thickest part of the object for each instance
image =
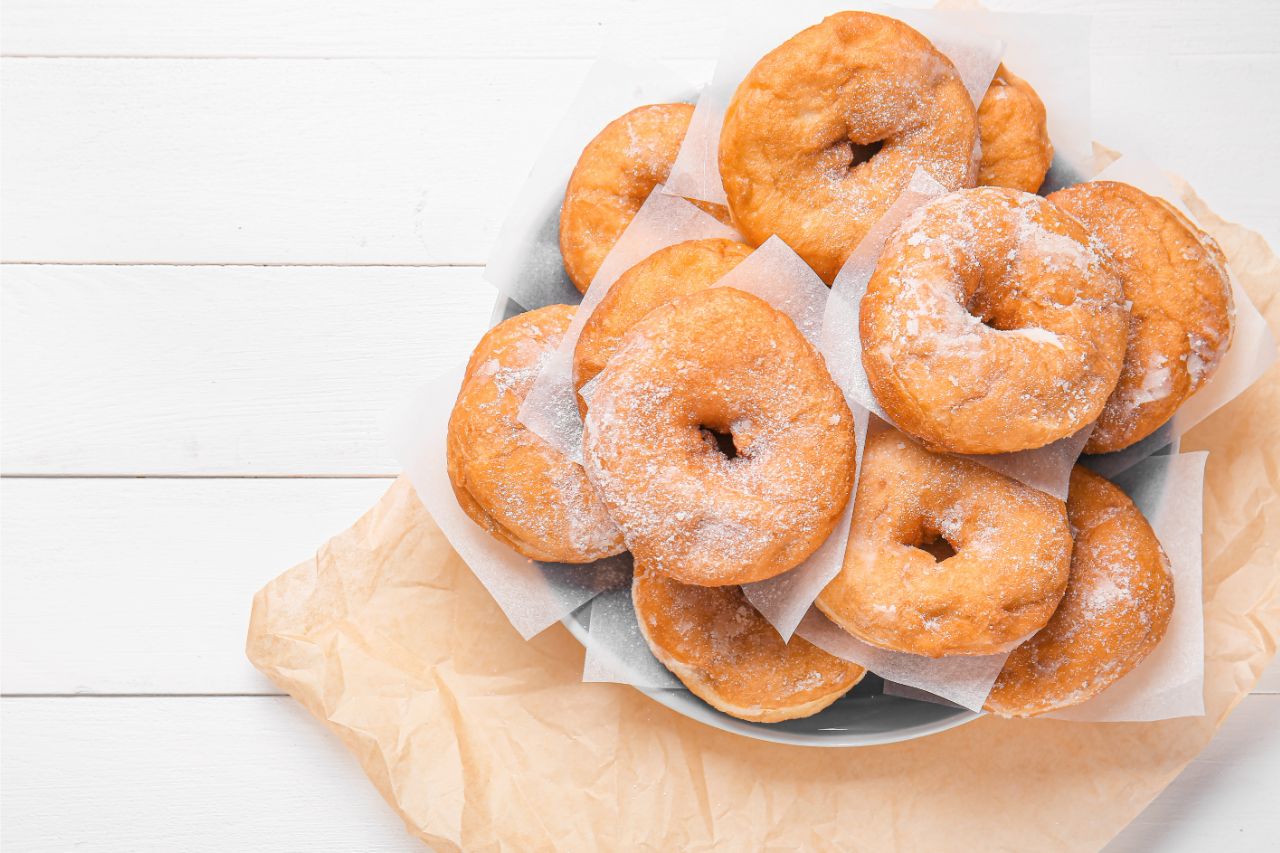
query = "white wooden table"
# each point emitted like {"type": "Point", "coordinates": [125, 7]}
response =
{"type": "Point", "coordinates": [233, 233]}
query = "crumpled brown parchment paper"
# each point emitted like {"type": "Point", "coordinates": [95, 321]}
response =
{"type": "Point", "coordinates": [482, 741]}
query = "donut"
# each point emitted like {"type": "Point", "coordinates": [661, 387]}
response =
{"type": "Point", "coordinates": [730, 657]}
{"type": "Point", "coordinates": [1016, 151]}
{"type": "Point", "coordinates": [687, 508]}
{"type": "Point", "coordinates": [991, 324]}
{"type": "Point", "coordinates": [1181, 313]}
{"type": "Point", "coordinates": [510, 482]}
{"type": "Point", "coordinates": [1116, 609]}
{"type": "Point", "coordinates": [614, 175]}
{"type": "Point", "coordinates": [674, 271]}
{"type": "Point", "coordinates": [797, 132]}
{"type": "Point", "coordinates": [946, 556]}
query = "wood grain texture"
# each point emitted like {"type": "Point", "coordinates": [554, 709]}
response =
{"type": "Point", "coordinates": [256, 773]}
{"type": "Point", "coordinates": [144, 586]}
{"type": "Point", "coordinates": [221, 370]}
{"type": "Point", "coordinates": [216, 775]}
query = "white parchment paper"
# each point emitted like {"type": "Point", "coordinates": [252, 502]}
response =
{"type": "Point", "coordinates": [532, 594]}
{"type": "Point", "coordinates": [1252, 352]}
{"type": "Point", "coordinates": [525, 262]}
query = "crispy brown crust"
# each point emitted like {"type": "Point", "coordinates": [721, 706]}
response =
{"type": "Point", "coordinates": [614, 175]}
{"type": "Point", "coordinates": [1016, 151]}
{"type": "Point", "coordinates": [729, 656]}
{"type": "Point", "coordinates": [507, 480]}
{"type": "Point", "coordinates": [1116, 609]}
{"type": "Point", "coordinates": [666, 274]}
{"type": "Point", "coordinates": [1012, 554]}
{"type": "Point", "coordinates": [728, 361]}
{"type": "Point", "coordinates": [1049, 354]}
{"type": "Point", "coordinates": [1182, 315]}
{"type": "Point", "coordinates": [854, 79]}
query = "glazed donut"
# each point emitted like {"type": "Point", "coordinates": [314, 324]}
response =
{"type": "Point", "coordinates": [1016, 151]}
{"type": "Point", "coordinates": [509, 481]}
{"type": "Point", "coordinates": [795, 134]}
{"type": "Point", "coordinates": [730, 657]}
{"type": "Point", "coordinates": [674, 271]}
{"type": "Point", "coordinates": [946, 556]}
{"type": "Point", "coordinates": [614, 175]}
{"type": "Point", "coordinates": [991, 324]}
{"type": "Point", "coordinates": [1116, 609]}
{"type": "Point", "coordinates": [686, 508]}
{"type": "Point", "coordinates": [1181, 315]}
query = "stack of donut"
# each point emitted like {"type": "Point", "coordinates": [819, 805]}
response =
{"type": "Point", "coordinates": [718, 450]}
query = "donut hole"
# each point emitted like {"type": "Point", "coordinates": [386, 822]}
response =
{"type": "Point", "coordinates": [986, 311]}
{"type": "Point", "coordinates": [720, 442]}
{"type": "Point", "coordinates": [859, 154]}
{"type": "Point", "coordinates": [933, 543]}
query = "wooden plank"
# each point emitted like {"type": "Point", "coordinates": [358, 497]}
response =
{"type": "Point", "coordinates": [144, 586]}
{"type": "Point", "coordinates": [416, 161]}
{"type": "Point", "coordinates": [255, 774]}
{"type": "Point", "coordinates": [397, 28]}
{"type": "Point", "coordinates": [1225, 799]}
{"type": "Point", "coordinates": [250, 774]}
{"type": "Point", "coordinates": [221, 370]}
{"type": "Point", "coordinates": [286, 161]}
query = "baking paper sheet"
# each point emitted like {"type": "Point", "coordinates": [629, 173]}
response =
{"type": "Point", "coordinates": [747, 38]}
{"type": "Point", "coordinates": [1046, 468]}
{"type": "Point", "coordinates": [1253, 346]}
{"type": "Point", "coordinates": [525, 262]}
{"type": "Point", "coordinates": [550, 410]}
{"type": "Point", "coordinates": [532, 594]}
{"type": "Point", "coordinates": [387, 638]}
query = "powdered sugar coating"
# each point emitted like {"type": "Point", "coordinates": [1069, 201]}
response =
{"type": "Point", "coordinates": [686, 509]}
{"type": "Point", "coordinates": [1016, 151]}
{"type": "Point", "coordinates": [507, 479]}
{"type": "Point", "coordinates": [1182, 315]}
{"type": "Point", "coordinates": [1117, 605]}
{"type": "Point", "coordinates": [992, 324]}
{"type": "Point", "coordinates": [946, 556]}
{"type": "Point", "coordinates": [790, 145]}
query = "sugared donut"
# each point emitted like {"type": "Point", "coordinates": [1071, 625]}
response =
{"type": "Point", "coordinates": [1016, 151]}
{"type": "Point", "coordinates": [729, 656]}
{"type": "Point", "coordinates": [992, 324]}
{"type": "Point", "coordinates": [674, 271]}
{"type": "Point", "coordinates": [1181, 315]}
{"type": "Point", "coordinates": [614, 175]}
{"type": "Point", "coordinates": [719, 361]}
{"type": "Point", "coordinates": [946, 556]}
{"type": "Point", "coordinates": [509, 481]}
{"type": "Point", "coordinates": [1116, 609]}
{"type": "Point", "coordinates": [795, 135]}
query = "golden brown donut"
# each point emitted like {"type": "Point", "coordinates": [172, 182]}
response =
{"type": "Point", "coordinates": [508, 480]}
{"type": "Point", "coordinates": [991, 324]}
{"type": "Point", "coordinates": [674, 271]}
{"type": "Point", "coordinates": [719, 361]}
{"type": "Point", "coordinates": [614, 175]}
{"type": "Point", "coordinates": [946, 556]}
{"type": "Point", "coordinates": [730, 657]}
{"type": "Point", "coordinates": [793, 143]}
{"type": "Point", "coordinates": [1016, 151]}
{"type": "Point", "coordinates": [1116, 609]}
{"type": "Point", "coordinates": [1181, 315]}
